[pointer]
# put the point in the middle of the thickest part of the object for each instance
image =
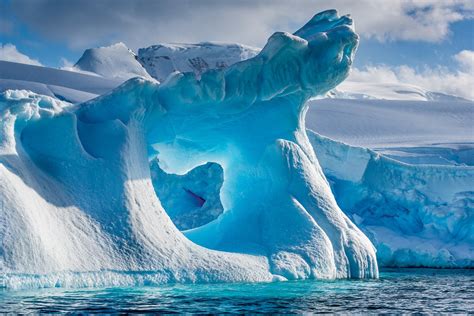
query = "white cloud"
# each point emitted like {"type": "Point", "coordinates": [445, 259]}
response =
{"type": "Point", "coordinates": [140, 23]}
{"type": "Point", "coordinates": [466, 59]}
{"type": "Point", "coordinates": [66, 64]}
{"type": "Point", "coordinates": [8, 52]}
{"type": "Point", "coordinates": [459, 82]}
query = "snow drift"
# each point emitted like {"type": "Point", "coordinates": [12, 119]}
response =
{"type": "Point", "coordinates": [79, 206]}
{"type": "Point", "coordinates": [61, 84]}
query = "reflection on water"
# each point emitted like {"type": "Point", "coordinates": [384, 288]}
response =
{"type": "Point", "coordinates": [406, 290]}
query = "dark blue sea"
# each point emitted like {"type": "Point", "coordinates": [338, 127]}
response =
{"type": "Point", "coordinates": [397, 291]}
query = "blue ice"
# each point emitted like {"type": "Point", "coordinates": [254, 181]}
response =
{"type": "Point", "coordinates": [80, 208]}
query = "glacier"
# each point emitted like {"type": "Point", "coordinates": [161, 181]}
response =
{"type": "Point", "coordinates": [79, 207]}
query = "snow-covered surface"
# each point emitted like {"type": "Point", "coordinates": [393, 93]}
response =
{"type": "Point", "coordinates": [435, 132]}
{"type": "Point", "coordinates": [58, 92]}
{"type": "Point", "coordinates": [114, 62]}
{"type": "Point", "coordinates": [64, 85]}
{"type": "Point", "coordinates": [78, 203]}
{"type": "Point", "coordinates": [163, 59]}
{"type": "Point", "coordinates": [350, 89]}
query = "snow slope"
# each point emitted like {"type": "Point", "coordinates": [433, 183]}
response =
{"type": "Point", "coordinates": [64, 85]}
{"type": "Point", "coordinates": [435, 132]}
{"type": "Point", "coordinates": [113, 62]}
{"type": "Point", "coordinates": [350, 89]}
{"type": "Point", "coordinates": [163, 59]}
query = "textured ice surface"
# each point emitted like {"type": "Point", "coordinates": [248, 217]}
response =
{"type": "Point", "coordinates": [193, 199]}
{"type": "Point", "coordinates": [77, 195]}
{"type": "Point", "coordinates": [416, 215]}
{"type": "Point", "coordinates": [77, 200]}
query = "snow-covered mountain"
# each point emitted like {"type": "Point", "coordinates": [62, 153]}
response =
{"type": "Point", "coordinates": [114, 62]}
{"type": "Point", "coordinates": [163, 59]}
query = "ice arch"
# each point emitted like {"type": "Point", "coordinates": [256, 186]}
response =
{"type": "Point", "coordinates": [85, 170]}
{"type": "Point", "coordinates": [250, 119]}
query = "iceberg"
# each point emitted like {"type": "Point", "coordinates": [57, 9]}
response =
{"type": "Point", "coordinates": [79, 207]}
{"type": "Point", "coordinates": [416, 215]}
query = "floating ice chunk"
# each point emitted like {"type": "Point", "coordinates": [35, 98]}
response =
{"type": "Point", "coordinates": [76, 181]}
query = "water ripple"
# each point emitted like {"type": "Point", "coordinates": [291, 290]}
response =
{"type": "Point", "coordinates": [397, 291]}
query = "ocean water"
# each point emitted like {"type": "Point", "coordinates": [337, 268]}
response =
{"type": "Point", "coordinates": [397, 291]}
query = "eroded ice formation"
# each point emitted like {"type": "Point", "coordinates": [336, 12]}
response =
{"type": "Point", "coordinates": [78, 205]}
{"type": "Point", "coordinates": [415, 215]}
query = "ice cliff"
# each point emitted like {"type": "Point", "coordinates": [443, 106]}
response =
{"type": "Point", "coordinates": [79, 207]}
{"type": "Point", "coordinates": [416, 215]}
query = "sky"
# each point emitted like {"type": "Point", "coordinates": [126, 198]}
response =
{"type": "Point", "coordinates": [427, 42]}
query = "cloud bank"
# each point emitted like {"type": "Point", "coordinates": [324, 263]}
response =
{"type": "Point", "coordinates": [459, 82]}
{"type": "Point", "coordinates": [8, 52]}
{"type": "Point", "coordinates": [139, 23]}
